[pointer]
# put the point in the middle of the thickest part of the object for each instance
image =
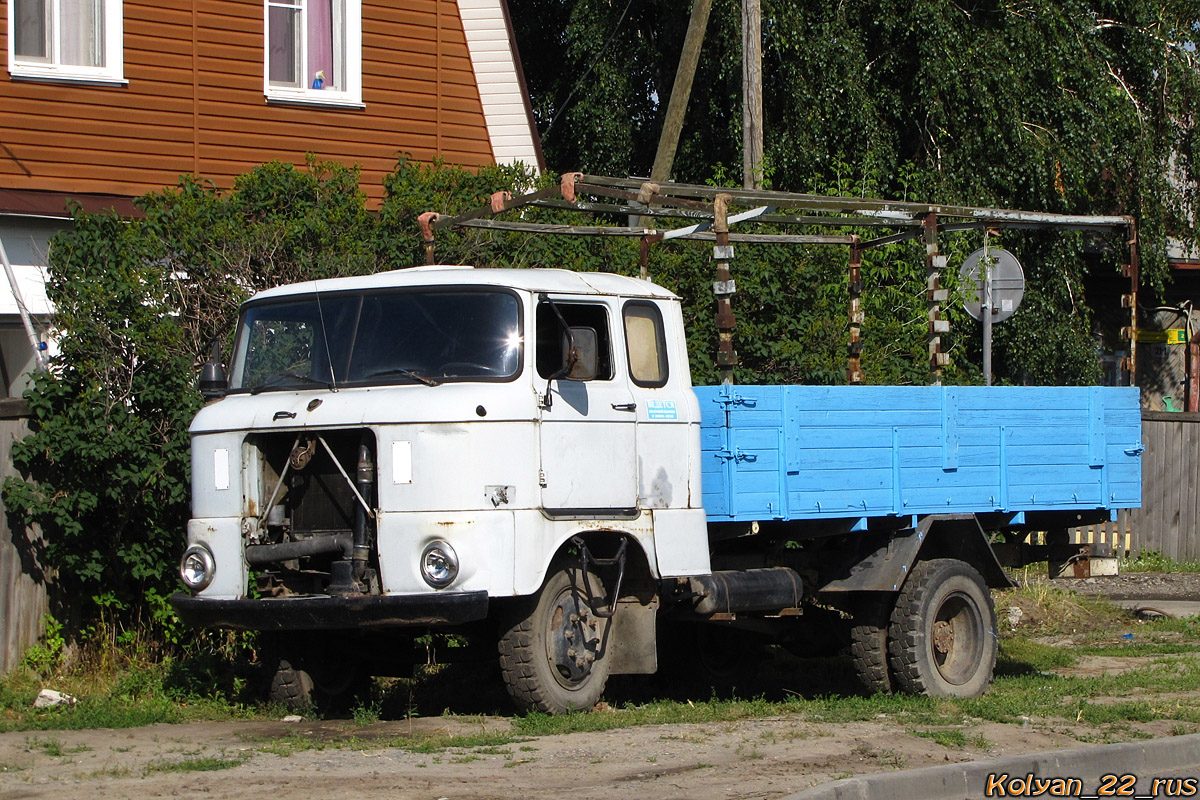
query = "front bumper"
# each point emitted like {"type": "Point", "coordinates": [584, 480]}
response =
{"type": "Point", "coordinates": [333, 613]}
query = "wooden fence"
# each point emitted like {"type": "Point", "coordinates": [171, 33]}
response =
{"type": "Point", "coordinates": [1169, 517]}
{"type": "Point", "coordinates": [1119, 534]}
{"type": "Point", "coordinates": [23, 599]}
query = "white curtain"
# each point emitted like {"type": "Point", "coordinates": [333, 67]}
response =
{"type": "Point", "coordinates": [81, 32]}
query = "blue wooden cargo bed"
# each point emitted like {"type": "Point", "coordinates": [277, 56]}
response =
{"type": "Point", "coordinates": [836, 452]}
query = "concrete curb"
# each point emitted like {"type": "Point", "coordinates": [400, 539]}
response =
{"type": "Point", "coordinates": [1146, 759]}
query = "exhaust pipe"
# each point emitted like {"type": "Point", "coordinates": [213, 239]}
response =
{"type": "Point", "coordinates": [364, 481]}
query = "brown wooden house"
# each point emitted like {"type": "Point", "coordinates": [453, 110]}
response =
{"type": "Point", "coordinates": [105, 100]}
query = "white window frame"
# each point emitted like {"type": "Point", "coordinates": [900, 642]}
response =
{"type": "Point", "coordinates": [351, 96]}
{"type": "Point", "coordinates": [51, 69]}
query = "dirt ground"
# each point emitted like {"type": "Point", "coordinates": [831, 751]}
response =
{"type": "Point", "coordinates": [760, 758]}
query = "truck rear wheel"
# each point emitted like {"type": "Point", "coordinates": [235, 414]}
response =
{"type": "Point", "coordinates": [942, 636]}
{"type": "Point", "coordinates": [869, 644]}
{"type": "Point", "coordinates": [553, 648]}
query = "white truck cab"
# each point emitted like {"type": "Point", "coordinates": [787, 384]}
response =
{"type": "Point", "coordinates": [368, 463]}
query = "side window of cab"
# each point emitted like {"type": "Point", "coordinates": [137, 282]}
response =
{"type": "Point", "coordinates": [585, 324]}
{"type": "Point", "coordinates": [645, 343]}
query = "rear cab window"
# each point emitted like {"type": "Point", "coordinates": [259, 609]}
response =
{"type": "Point", "coordinates": [645, 344]}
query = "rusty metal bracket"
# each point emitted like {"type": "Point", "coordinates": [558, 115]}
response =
{"type": "Point", "coordinates": [497, 201]}
{"type": "Point", "coordinates": [586, 559]}
{"type": "Point", "coordinates": [566, 185]}
{"type": "Point", "coordinates": [425, 221]}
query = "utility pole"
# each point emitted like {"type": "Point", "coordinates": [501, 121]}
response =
{"type": "Point", "coordinates": [681, 92]}
{"type": "Point", "coordinates": [752, 103]}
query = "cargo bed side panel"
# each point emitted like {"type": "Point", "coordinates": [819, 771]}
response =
{"type": "Point", "coordinates": [817, 452]}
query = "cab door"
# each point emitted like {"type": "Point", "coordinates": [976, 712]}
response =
{"type": "Point", "coordinates": [665, 403]}
{"type": "Point", "coordinates": [587, 434]}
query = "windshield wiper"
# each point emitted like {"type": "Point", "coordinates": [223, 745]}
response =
{"type": "Point", "coordinates": [405, 373]}
{"type": "Point", "coordinates": [279, 378]}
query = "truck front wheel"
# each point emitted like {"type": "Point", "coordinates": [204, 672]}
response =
{"type": "Point", "coordinates": [942, 638]}
{"type": "Point", "coordinates": [553, 646]}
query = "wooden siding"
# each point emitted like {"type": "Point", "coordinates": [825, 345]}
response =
{"type": "Point", "coordinates": [501, 88]}
{"type": "Point", "coordinates": [194, 103]}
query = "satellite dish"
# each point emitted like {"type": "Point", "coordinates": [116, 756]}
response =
{"type": "Point", "coordinates": [1006, 277]}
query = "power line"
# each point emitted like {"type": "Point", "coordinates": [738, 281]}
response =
{"type": "Point", "coordinates": [588, 71]}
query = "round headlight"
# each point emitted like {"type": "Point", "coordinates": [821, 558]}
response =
{"type": "Point", "coordinates": [197, 567]}
{"type": "Point", "coordinates": [439, 564]}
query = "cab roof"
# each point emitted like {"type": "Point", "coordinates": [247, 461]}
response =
{"type": "Point", "coordinates": [553, 281]}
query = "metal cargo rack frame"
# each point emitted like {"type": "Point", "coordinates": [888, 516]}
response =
{"type": "Point", "coordinates": [710, 212]}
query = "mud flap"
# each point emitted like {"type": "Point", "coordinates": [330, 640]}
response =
{"type": "Point", "coordinates": [634, 637]}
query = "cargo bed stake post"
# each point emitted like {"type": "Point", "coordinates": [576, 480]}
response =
{"type": "Point", "coordinates": [1129, 334]}
{"type": "Point", "coordinates": [724, 288]}
{"type": "Point", "coordinates": [645, 195]}
{"type": "Point", "coordinates": [854, 348]}
{"type": "Point", "coordinates": [935, 295]}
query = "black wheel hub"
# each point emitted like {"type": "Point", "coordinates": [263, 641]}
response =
{"type": "Point", "coordinates": [574, 638]}
{"type": "Point", "coordinates": [956, 640]}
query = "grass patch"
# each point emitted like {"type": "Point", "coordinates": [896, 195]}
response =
{"type": "Point", "coordinates": [204, 764]}
{"type": "Point", "coordinates": [1154, 561]}
{"type": "Point", "coordinates": [1018, 656]}
{"type": "Point", "coordinates": [115, 712]}
{"type": "Point", "coordinates": [108, 772]}
{"type": "Point", "coordinates": [1038, 608]}
{"type": "Point", "coordinates": [952, 738]}
{"type": "Point", "coordinates": [127, 695]}
{"type": "Point", "coordinates": [482, 743]}
{"type": "Point", "coordinates": [365, 714]}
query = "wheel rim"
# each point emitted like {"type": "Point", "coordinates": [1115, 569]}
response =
{"type": "Point", "coordinates": [574, 639]}
{"type": "Point", "coordinates": [956, 639]}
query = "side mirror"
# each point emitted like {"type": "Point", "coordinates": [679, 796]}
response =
{"type": "Point", "coordinates": [213, 382]}
{"type": "Point", "coordinates": [583, 361]}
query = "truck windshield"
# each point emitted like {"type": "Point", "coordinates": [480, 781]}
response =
{"type": "Point", "coordinates": [353, 339]}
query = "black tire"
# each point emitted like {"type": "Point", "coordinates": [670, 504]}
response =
{"type": "Point", "coordinates": [869, 644]}
{"type": "Point", "coordinates": [553, 648]}
{"type": "Point", "coordinates": [942, 636]}
{"type": "Point", "coordinates": [316, 673]}
{"type": "Point", "coordinates": [291, 686]}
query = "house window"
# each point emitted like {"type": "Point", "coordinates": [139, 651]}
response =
{"type": "Point", "coordinates": [66, 40]}
{"type": "Point", "coordinates": [314, 51]}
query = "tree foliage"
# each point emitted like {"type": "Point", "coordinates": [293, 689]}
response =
{"type": "Point", "coordinates": [1081, 106]}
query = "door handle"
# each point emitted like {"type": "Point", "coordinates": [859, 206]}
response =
{"type": "Point", "coordinates": [624, 406]}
